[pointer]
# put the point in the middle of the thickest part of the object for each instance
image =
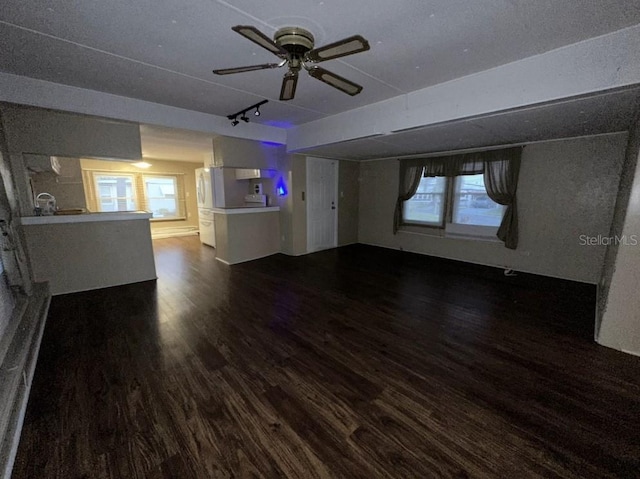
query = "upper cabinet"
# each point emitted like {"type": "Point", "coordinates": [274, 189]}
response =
{"type": "Point", "coordinates": [247, 154]}
{"type": "Point", "coordinates": [249, 174]}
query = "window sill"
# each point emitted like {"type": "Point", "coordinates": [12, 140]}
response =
{"type": "Point", "coordinates": [460, 236]}
{"type": "Point", "coordinates": [447, 233]}
{"type": "Point", "coordinates": [422, 230]}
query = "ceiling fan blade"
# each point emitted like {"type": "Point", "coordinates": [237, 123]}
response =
{"type": "Point", "coordinates": [341, 48]}
{"type": "Point", "coordinates": [259, 38]}
{"type": "Point", "coordinates": [229, 71]}
{"type": "Point", "coordinates": [335, 81]}
{"type": "Point", "coordinates": [289, 82]}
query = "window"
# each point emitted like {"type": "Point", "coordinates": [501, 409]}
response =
{"type": "Point", "coordinates": [472, 205]}
{"type": "Point", "coordinates": [426, 207]}
{"type": "Point", "coordinates": [160, 194]}
{"type": "Point", "coordinates": [115, 192]}
{"type": "Point", "coordinates": [459, 205]}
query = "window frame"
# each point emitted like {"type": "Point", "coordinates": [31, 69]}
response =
{"type": "Point", "coordinates": [448, 228]}
{"type": "Point", "coordinates": [140, 197]}
{"type": "Point", "coordinates": [445, 204]}
{"type": "Point", "coordinates": [180, 198]}
{"type": "Point", "coordinates": [96, 189]}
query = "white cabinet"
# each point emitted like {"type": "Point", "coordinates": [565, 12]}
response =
{"type": "Point", "coordinates": [246, 174]}
{"type": "Point", "coordinates": [249, 174]}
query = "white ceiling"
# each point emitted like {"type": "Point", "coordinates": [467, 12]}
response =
{"type": "Point", "coordinates": [163, 52]}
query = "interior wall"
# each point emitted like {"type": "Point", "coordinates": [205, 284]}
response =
{"type": "Point", "coordinates": [12, 196]}
{"type": "Point", "coordinates": [618, 321]}
{"type": "Point", "coordinates": [293, 214]}
{"type": "Point", "coordinates": [348, 201]}
{"type": "Point", "coordinates": [285, 203]}
{"type": "Point", "coordinates": [50, 132]}
{"type": "Point", "coordinates": [235, 190]}
{"type": "Point", "coordinates": [7, 298]}
{"type": "Point", "coordinates": [67, 187]}
{"type": "Point", "coordinates": [188, 170]}
{"type": "Point", "coordinates": [566, 193]}
{"type": "Point", "coordinates": [619, 216]}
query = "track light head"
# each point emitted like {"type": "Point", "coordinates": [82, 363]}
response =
{"type": "Point", "coordinates": [242, 114]}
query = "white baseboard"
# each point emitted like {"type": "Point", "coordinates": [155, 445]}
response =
{"type": "Point", "coordinates": [161, 235]}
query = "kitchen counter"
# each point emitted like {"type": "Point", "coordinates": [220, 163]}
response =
{"type": "Point", "coordinates": [85, 218]}
{"type": "Point", "coordinates": [239, 210]}
{"type": "Point", "coordinates": [246, 233]}
{"type": "Point", "coordinates": [90, 250]}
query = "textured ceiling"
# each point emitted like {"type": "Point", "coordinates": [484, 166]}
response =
{"type": "Point", "coordinates": [164, 51]}
{"type": "Point", "coordinates": [605, 113]}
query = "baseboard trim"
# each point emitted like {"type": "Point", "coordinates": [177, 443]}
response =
{"type": "Point", "coordinates": [479, 263]}
{"type": "Point", "coordinates": [173, 235]}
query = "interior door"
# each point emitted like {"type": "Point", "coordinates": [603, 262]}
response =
{"type": "Point", "coordinates": [322, 204]}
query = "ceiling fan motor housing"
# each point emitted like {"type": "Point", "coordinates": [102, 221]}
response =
{"type": "Point", "coordinates": [295, 40]}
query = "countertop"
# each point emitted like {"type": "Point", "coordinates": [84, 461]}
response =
{"type": "Point", "coordinates": [86, 218]}
{"type": "Point", "coordinates": [238, 210]}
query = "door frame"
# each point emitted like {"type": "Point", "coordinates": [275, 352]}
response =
{"type": "Point", "coordinates": [336, 164]}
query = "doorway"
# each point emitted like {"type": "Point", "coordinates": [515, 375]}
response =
{"type": "Point", "coordinates": [322, 204]}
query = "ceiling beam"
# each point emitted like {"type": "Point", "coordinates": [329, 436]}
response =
{"type": "Point", "coordinates": [44, 94]}
{"type": "Point", "coordinates": [591, 66]}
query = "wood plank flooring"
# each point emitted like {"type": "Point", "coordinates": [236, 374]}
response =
{"type": "Point", "coordinates": [358, 362]}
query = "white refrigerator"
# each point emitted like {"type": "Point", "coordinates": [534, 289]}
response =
{"type": "Point", "coordinates": [210, 194]}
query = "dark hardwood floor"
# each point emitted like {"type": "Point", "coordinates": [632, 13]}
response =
{"type": "Point", "coordinates": [357, 362]}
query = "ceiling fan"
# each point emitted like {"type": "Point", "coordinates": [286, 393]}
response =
{"type": "Point", "coordinates": [294, 46]}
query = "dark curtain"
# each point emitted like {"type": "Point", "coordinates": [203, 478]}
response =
{"type": "Point", "coordinates": [500, 169]}
{"type": "Point", "coordinates": [454, 165]}
{"type": "Point", "coordinates": [410, 174]}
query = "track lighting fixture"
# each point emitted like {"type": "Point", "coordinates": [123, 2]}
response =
{"type": "Point", "coordinates": [243, 113]}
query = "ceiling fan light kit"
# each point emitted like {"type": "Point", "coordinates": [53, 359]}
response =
{"type": "Point", "coordinates": [294, 46]}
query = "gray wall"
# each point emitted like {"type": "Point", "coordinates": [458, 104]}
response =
{"type": "Point", "coordinates": [48, 132]}
{"type": "Point", "coordinates": [619, 216]}
{"type": "Point", "coordinates": [618, 302]}
{"type": "Point", "coordinates": [293, 213]}
{"type": "Point", "coordinates": [241, 153]}
{"type": "Point", "coordinates": [567, 189]}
